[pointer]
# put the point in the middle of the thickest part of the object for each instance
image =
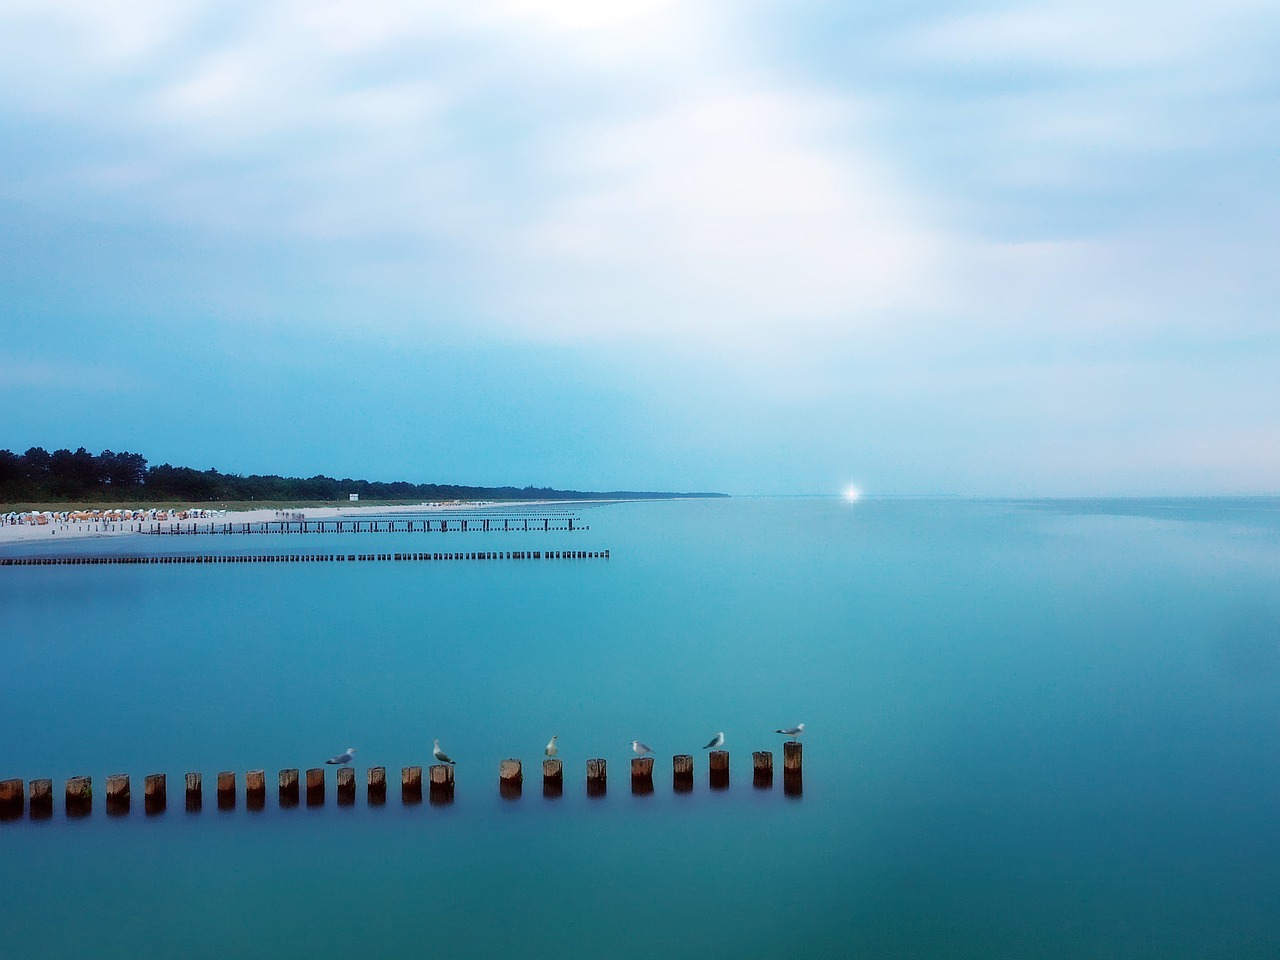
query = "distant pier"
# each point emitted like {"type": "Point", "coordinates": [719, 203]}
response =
{"type": "Point", "coordinates": [519, 523]}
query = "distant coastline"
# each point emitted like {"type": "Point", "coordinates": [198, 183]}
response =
{"type": "Point", "coordinates": [41, 480]}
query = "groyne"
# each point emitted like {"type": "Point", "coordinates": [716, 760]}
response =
{"type": "Point", "coordinates": [308, 557]}
{"type": "Point", "coordinates": [35, 798]}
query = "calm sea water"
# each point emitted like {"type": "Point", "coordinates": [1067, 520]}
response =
{"type": "Point", "coordinates": [1034, 730]}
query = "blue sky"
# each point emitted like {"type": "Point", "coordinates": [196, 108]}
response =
{"type": "Point", "coordinates": [1025, 248]}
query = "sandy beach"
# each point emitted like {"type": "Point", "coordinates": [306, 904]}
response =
{"type": "Point", "coordinates": [57, 530]}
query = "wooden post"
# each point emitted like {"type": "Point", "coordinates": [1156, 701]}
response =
{"type": "Point", "coordinates": [642, 774]}
{"type": "Point", "coordinates": [11, 799]}
{"type": "Point", "coordinates": [79, 796]}
{"type": "Point", "coordinates": [255, 789]}
{"type": "Point", "coordinates": [377, 790]}
{"type": "Point", "coordinates": [552, 778]}
{"type": "Point", "coordinates": [195, 792]}
{"type": "Point", "coordinates": [597, 778]}
{"type": "Point", "coordinates": [718, 767]}
{"type": "Point", "coordinates": [315, 787]}
{"type": "Point", "coordinates": [289, 787]}
{"type": "Point", "coordinates": [155, 793]}
{"type": "Point", "coordinates": [682, 773]}
{"type": "Point", "coordinates": [411, 785]}
{"type": "Point", "coordinates": [40, 799]}
{"type": "Point", "coordinates": [441, 775]}
{"type": "Point", "coordinates": [762, 765]}
{"type": "Point", "coordinates": [510, 778]}
{"type": "Point", "coordinates": [227, 790]}
{"type": "Point", "coordinates": [117, 794]}
{"type": "Point", "coordinates": [793, 768]}
{"type": "Point", "coordinates": [346, 786]}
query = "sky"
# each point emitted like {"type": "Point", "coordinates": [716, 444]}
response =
{"type": "Point", "coordinates": [993, 249]}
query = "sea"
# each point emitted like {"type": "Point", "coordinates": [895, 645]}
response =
{"type": "Point", "coordinates": [1033, 729]}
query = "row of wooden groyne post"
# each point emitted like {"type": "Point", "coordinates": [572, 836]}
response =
{"type": "Point", "coordinates": [294, 787]}
{"type": "Point", "coordinates": [312, 557]}
{"type": "Point", "coordinates": [455, 524]}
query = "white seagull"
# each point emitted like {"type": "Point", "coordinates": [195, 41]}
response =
{"type": "Point", "coordinates": [440, 754]}
{"type": "Point", "coordinates": [343, 757]}
{"type": "Point", "coordinates": [792, 732]}
{"type": "Point", "coordinates": [716, 741]}
{"type": "Point", "coordinates": [641, 748]}
{"type": "Point", "coordinates": [551, 746]}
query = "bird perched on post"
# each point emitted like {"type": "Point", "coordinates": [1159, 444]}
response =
{"type": "Point", "coordinates": [792, 732]}
{"type": "Point", "coordinates": [440, 754]}
{"type": "Point", "coordinates": [343, 757]}
{"type": "Point", "coordinates": [551, 747]}
{"type": "Point", "coordinates": [716, 742]}
{"type": "Point", "coordinates": [641, 748]}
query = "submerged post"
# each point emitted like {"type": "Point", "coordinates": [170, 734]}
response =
{"type": "Point", "coordinates": [793, 768]}
{"type": "Point", "coordinates": [227, 790]}
{"type": "Point", "coordinates": [376, 793]}
{"type": "Point", "coordinates": [11, 799]}
{"type": "Point", "coordinates": [597, 777]}
{"type": "Point", "coordinates": [195, 791]}
{"type": "Point", "coordinates": [411, 785]}
{"type": "Point", "coordinates": [79, 796]}
{"type": "Point", "coordinates": [255, 789]}
{"type": "Point", "coordinates": [510, 778]}
{"type": "Point", "coordinates": [552, 778]}
{"type": "Point", "coordinates": [642, 775]}
{"type": "Point", "coordinates": [762, 767]}
{"type": "Point", "coordinates": [346, 786]}
{"type": "Point", "coordinates": [718, 767]}
{"type": "Point", "coordinates": [40, 799]}
{"type": "Point", "coordinates": [289, 787]}
{"type": "Point", "coordinates": [682, 773]}
{"type": "Point", "coordinates": [441, 775]}
{"type": "Point", "coordinates": [155, 793]}
{"type": "Point", "coordinates": [315, 787]}
{"type": "Point", "coordinates": [117, 794]}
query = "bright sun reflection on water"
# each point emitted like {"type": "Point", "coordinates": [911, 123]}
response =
{"type": "Point", "coordinates": [852, 494]}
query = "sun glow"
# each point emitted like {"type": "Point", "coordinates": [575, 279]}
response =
{"type": "Point", "coordinates": [852, 494]}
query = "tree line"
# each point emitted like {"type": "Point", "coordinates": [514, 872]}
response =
{"type": "Point", "coordinates": [80, 476]}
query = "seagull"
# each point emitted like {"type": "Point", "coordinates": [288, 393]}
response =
{"type": "Point", "coordinates": [551, 747]}
{"type": "Point", "coordinates": [641, 748]}
{"type": "Point", "coordinates": [792, 732]}
{"type": "Point", "coordinates": [343, 757]}
{"type": "Point", "coordinates": [716, 741]}
{"type": "Point", "coordinates": [440, 754]}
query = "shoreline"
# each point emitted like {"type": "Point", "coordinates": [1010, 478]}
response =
{"type": "Point", "coordinates": [86, 530]}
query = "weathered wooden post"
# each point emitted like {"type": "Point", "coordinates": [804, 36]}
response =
{"type": "Point", "coordinates": [227, 790]}
{"type": "Point", "coordinates": [289, 787]}
{"type": "Point", "coordinates": [597, 778]}
{"type": "Point", "coordinates": [155, 793]}
{"type": "Point", "coordinates": [793, 768]}
{"type": "Point", "coordinates": [411, 785]}
{"type": "Point", "coordinates": [79, 796]}
{"type": "Point", "coordinates": [255, 789]}
{"type": "Point", "coordinates": [552, 778]}
{"type": "Point", "coordinates": [195, 792]}
{"type": "Point", "coordinates": [718, 767]}
{"type": "Point", "coordinates": [441, 775]}
{"type": "Point", "coordinates": [377, 790]}
{"type": "Point", "coordinates": [510, 779]}
{"type": "Point", "coordinates": [762, 765]}
{"type": "Point", "coordinates": [11, 799]}
{"type": "Point", "coordinates": [315, 787]}
{"type": "Point", "coordinates": [40, 799]}
{"type": "Point", "coordinates": [346, 786]}
{"type": "Point", "coordinates": [117, 794]}
{"type": "Point", "coordinates": [642, 774]}
{"type": "Point", "coordinates": [682, 773]}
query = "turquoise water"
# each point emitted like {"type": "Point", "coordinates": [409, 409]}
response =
{"type": "Point", "coordinates": [1034, 730]}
